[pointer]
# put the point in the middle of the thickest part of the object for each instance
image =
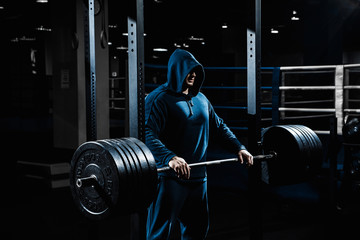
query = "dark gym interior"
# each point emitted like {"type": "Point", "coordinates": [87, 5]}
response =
{"type": "Point", "coordinates": [310, 75]}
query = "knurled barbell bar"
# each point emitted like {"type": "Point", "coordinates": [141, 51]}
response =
{"type": "Point", "coordinates": [119, 176]}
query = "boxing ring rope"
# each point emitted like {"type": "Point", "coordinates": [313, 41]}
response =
{"type": "Point", "coordinates": [321, 67]}
{"type": "Point", "coordinates": [278, 89]}
{"type": "Point", "coordinates": [321, 110]}
{"type": "Point", "coordinates": [341, 88]}
{"type": "Point", "coordinates": [308, 102]}
{"type": "Point", "coordinates": [307, 87]}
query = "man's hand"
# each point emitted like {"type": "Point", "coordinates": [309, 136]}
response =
{"type": "Point", "coordinates": [180, 166]}
{"type": "Point", "coordinates": [245, 156]}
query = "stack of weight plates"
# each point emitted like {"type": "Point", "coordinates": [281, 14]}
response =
{"type": "Point", "coordinates": [126, 177]}
{"type": "Point", "coordinates": [299, 153]}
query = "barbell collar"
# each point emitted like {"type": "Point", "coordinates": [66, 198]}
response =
{"type": "Point", "coordinates": [86, 181]}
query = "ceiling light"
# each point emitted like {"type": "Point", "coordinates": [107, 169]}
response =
{"type": "Point", "coordinates": [1, 7]}
{"type": "Point", "coordinates": [295, 17]}
{"type": "Point", "coordinates": [121, 48]}
{"type": "Point", "coordinates": [42, 1]}
{"type": "Point", "coordinates": [177, 45]}
{"type": "Point", "coordinates": [42, 28]}
{"type": "Point", "coordinates": [23, 38]}
{"type": "Point", "coordinates": [160, 50]}
{"type": "Point", "coordinates": [192, 38]}
{"type": "Point", "coordinates": [274, 31]}
{"type": "Point", "coordinates": [224, 26]}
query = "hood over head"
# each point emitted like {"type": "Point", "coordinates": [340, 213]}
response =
{"type": "Point", "coordinates": [181, 62]}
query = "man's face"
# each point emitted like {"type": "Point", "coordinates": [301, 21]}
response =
{"type": "Point", "coordinates": [190, 79]}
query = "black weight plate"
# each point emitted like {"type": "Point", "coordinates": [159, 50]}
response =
{"type": "Point", "coordinates": [307, 135]}
{"type": "Point", "coordinates": [140, 156]}
{"type": "Point", "coordinates": [289, 165]}
{"type": "Point", "coordinates": [316, 153]}
{"type": "Point", "coordinates": [130, 194]}
{"type": "Point", "coordinates": [122, 167]}
{"type": "Point", "coordinates": [126, 174]}
{"type": "Point", "coordinates": [310, 141]}
{"type": "Point", "coordinates": [131, 191]}
{"type": "Point", "coordinates": [147, 153]}
{"type": "Point", "coordinates": [138, 159]}
{"type": "Point", "coordinates": [145, 174]}
{"type": "Point", "coordinates": [306, 151]}
{"type": "Point", "coordinates": [316, 138]}
{"type": "Point", "coordinates": [149, 157]}
{"type": "Point", "coordinates": [137, 175]}
{"type": "Point", "coordinates": [144, 197]}
{"type": "Point", "coordinates": [129, 168]}
{"type": "Point", "coordinates": [309, 159]}
{"type": "Point", "coordinates": [149, 171]}
{"type": "Point", "coordinates": [264, 164]}
{"type": "Point", "coordinates": [95, 202]}
{"type": "Point", "coordinates": [123, 190]}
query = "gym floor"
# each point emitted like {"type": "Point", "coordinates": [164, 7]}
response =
{"type": "Point", "coordinates": [295, 212]}
{"type": "Point", "coordinates": [52, 215]}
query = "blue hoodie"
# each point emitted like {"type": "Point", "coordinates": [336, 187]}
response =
{"type": "Point", "coordinates": [177, 124]}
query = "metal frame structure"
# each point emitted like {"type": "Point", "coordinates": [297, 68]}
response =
{"type": "Point", "coordinates": [135, 95]}
{"type": "Point", "coordinates": [135, 90]}
{"type": "Point", "coordinates": [89, 35]}
{"type": "Point", "coordinates": [254, 115]}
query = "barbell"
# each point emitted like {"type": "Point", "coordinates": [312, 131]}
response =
{"type": "Point", "coordinates": [119, 176]}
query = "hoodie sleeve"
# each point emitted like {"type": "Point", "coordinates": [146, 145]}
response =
{"type": "Point", "coordinates": [153, 127]}
{"type": "Point", "coordinates": [222, 131]}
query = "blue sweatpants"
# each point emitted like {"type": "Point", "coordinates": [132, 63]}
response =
{"type": "Point", "coordinates": [179, 201]}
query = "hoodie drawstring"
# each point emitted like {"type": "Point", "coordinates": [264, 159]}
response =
{"type": "Point", "coordinates": [190, 104]}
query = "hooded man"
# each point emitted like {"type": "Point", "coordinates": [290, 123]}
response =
{"type": "Point", "coordinates": [178, 121]}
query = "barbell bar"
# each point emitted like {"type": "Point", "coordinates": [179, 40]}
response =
{"type": "Point", "coordinates": [119, 176]}
{"type": "Point", "coordinates": [228, 160]}
{"type": "Point", "coordinates": [91, 180]}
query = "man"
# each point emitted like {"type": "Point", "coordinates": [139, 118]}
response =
{"type": "Point", "coordinates": [178, 122]}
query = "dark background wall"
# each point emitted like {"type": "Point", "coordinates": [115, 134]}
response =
{"type": "Point", "coordinates": [326, 33]}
